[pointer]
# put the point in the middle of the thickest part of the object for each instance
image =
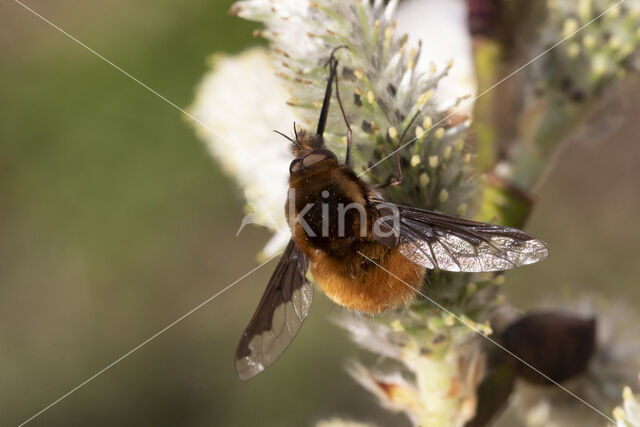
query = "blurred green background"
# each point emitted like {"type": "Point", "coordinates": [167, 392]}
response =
{"type": "Point", "coordinates": [114, 222]}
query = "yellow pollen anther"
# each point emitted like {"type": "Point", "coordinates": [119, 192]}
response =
{"type": "Point", "coordinates": [427, 122]}
{"type": "Point", "coordinates": [371, 97]}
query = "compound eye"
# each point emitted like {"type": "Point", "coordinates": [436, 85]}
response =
{"type": "Point", "coordinates": [317, 156]}
{"type": "Point", "coordinates": [295, 166]}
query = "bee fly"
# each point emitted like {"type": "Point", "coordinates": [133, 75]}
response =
{"type": "Point", "coordinates": [361, 250]}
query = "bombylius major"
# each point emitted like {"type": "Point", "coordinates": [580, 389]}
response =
{"type": "Point", "coordinates": [366, 254]}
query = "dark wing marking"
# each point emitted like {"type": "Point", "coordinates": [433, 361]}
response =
{"type": "Point", "coordinates": [279, 316]}
{"type": "Point", "coordinates": [435, 240]}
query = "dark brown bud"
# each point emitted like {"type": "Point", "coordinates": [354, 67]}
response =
{"type": "Point", "coordinates": [557, 344]}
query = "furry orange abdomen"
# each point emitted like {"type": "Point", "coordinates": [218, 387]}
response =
{"type": "Point", "coordinates": [373, 289]}
{"type": "Point", "coordinates": [354, 282]}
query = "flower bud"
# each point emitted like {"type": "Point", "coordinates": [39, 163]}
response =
{"type": "Point", "coordinates": [559, 345]}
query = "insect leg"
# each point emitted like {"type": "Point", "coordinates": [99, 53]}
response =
{"type": "Point", "coordinates": [324, 112]}
{"type": "Point", "coordinates": [347, 160]}
{"type": "Point", "coordinates": [333, 70]}
{"type": "Point", "coordinates": [399, 179]}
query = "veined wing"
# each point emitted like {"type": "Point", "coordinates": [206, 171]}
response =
{"type": "Point", "coordinates": [279, 316]}
{"type": "Point", "coordinates": [435, 240]}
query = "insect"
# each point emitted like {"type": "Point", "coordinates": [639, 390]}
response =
{"type": "Point", "coordinates": [366, 254]}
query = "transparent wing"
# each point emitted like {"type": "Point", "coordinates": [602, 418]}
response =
{"type": "Point", "coordinates": [435, 240]}
{"type": "Point", "coordinates": [279, 316]}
